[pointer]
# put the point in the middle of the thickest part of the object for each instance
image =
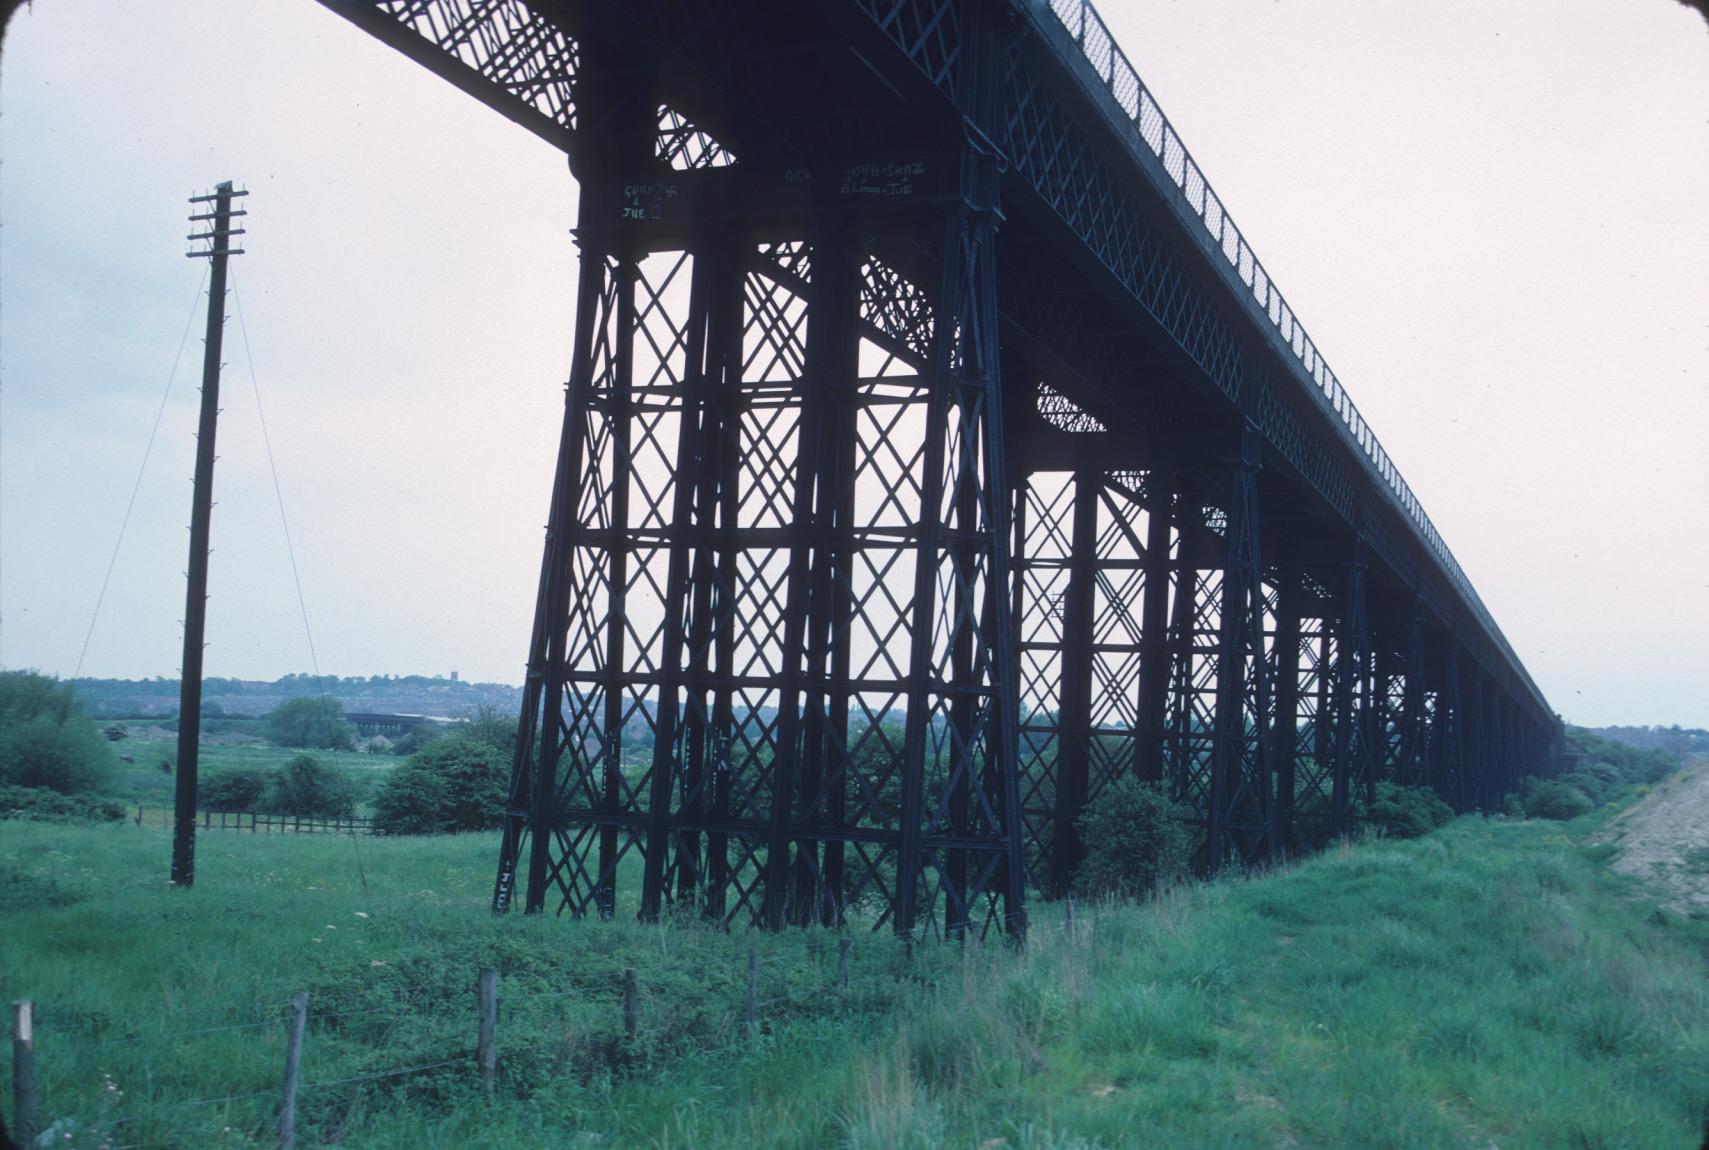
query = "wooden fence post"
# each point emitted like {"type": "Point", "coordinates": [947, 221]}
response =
{"type": "Point", "coordinates": [843, 945]}
{"type": "Point", "coordinates": [631, 1003]}
{"type": "Point", "coordinates": [487, 986]}
{"type": "Point", "coordinates": [293, 1068]}
{"type": "Point", "coordinates": [24, 1071]}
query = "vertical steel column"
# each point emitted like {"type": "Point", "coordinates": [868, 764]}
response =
{"type": "Point", "coordinates": [1186, 754]}
{"type": "Point", "coordinates": [1042, 534]}
{"type": "Point", "coordinates": [789, 883]}
{"type": "Point", "coordinates": [622, 411]}
{"type": "Point", "coordinates": [1509, 744]}
{"type": "Point", "coordinates": [1154, 628]}
{"type": "Point", "coordinates": [1074, 723]}
{"type": "Point", "coordinates": [1412, 770]}
{"type": "Point", "coordinates": [1352, 693]}
{"type": "Point", "coordinates": [1387, 689]}
{"type": "Point", "coordinates": [831, 367]}
{"type": "Point", "coordinates": [1242, 808]}
{"type": "Point", "coordinates": [707, 386]}
{"type": "Point", "coordinates": [1285, 731]}
{"type": "Point", "coordinates": [1445, 767]}
{"type": "Point", "coordinates": [532, 801]}
{"type": "Point", "coordinates": [1474, 763]}
{"type": "Point", "coordinates": [960, 711]}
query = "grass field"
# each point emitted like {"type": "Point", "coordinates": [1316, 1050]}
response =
{"type": "Point", "coordinates": [1489, 986]}
{"type": "Point", "coordinates": [143, 782]}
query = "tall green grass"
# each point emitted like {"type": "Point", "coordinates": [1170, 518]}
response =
{"type": "Point", "coordinates": [1489, 985]}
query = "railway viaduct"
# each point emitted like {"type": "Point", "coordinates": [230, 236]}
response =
{"type": "Point", "coordinates": [936, 451]}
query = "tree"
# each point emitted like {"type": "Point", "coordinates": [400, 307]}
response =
{"type": "Point", "coordinates": [309, 722]}
{"type": "Point", "coordinates": [493, 727]}
{"type": "Point", "coordinates": [306, 786]}
{"type": "Point", "coordinates": [1136, 840]}
{"type": "Point", "coordinates": [455, 783]}
{"type": "Point", "coordinates": [46, 739]}
{"type": "Point", "coordinates": [414, 739]}
{"type": "Point", "coordinates": [239, 789]}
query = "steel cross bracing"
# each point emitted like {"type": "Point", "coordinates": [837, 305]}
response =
{"type": "Point", "coordinates": [937, 452]}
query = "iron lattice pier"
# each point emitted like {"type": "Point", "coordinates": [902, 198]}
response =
{"type": "Point", "coordinates": [937, 452]}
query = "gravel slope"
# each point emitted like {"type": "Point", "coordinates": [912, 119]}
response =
{"type": "Point", "coordinates": [1664, 840]}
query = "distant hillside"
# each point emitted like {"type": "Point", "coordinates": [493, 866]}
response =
{"type": "Point", "coordinates": [407, 695]}
{"type": "Point", "coordinates": [1686, 742]}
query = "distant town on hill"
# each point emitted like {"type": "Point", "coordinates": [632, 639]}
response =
{"type": "Point", "coordinates": [434, 695]}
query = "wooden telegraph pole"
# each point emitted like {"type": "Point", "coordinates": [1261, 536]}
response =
{"type": "Point", "coordinates": [218, 238]}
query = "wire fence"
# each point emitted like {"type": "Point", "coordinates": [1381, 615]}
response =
{"type": "Point", "coordinates": [73, 1070]}
{"type": "Point", "coordinates": [260, 823]}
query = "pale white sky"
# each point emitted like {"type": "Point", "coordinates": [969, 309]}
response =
{"type": "Point", "coordinates": [1488, 213]}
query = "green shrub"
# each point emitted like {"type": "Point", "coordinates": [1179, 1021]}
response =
{"type": "Point", "coordinates": [455, 783]}
{"type": "Point", "coordinates": [1136, 840]}
{"type": "Point", "coordinates": [42, 804]}
{"type": "Point", "coordinates": [238, 789]}
{"type": "Point", "coordinates": [414, 739]}
{"type": "Point", "coordinates": [1597, 786]}
{"type": "Point", "coordinates": [1314, 819]}
{"type": "Point", "coordinates": [306, 786]}
{"type": "Point", "coordinates": [309, 722]}
{"type": "Point", "coordinates": [1407, 812]}
{"type": "Point", "coordinates": [46, 739]}
{"type": "Point", "coordinates": [1553, 799]}
{"type": "Point", "coordinates": [411, 802]}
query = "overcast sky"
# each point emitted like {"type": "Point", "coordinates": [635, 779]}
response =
{"type": "Point", "coordinates": [1488, 214]}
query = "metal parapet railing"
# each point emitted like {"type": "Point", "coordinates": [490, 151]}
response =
{"type": "Point", "coordinates": [1117, 75]}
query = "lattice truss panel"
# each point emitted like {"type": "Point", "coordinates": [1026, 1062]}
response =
{"type": "Point", "coordinates": [1222, 628]}
{"type": "Point", "coordinates": [1314, 727]}
{"type": "Point", "coordinates": [529, 62]}
{"type": "Point", "coordinates": [1064, 414]}
{"type": "Point", "coordinates": [1390, 720]}
{"type": "Point", "coordinates": [1047, 145]}
{"type": "Point", "coordinates": [685, 147]}
{"type": "Point", "coordinates": [1426, 770]}
{"type": "Point", "coordinates": [781, 698]}
{"type": "Point", "coordinates": [927, 31]}
{"type": "Point", "coordinates": [1080, 588]}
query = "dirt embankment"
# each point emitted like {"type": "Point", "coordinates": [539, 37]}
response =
{"type": "Point", "coordinates": [1664, 840]}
